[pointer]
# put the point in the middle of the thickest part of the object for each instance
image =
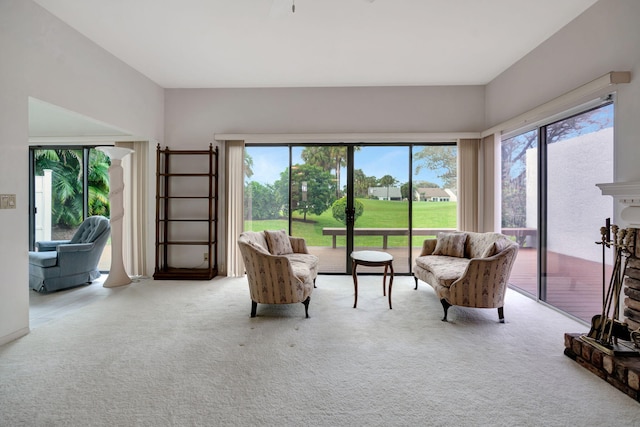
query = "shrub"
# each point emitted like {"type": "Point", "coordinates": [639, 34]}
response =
{"type": "Point", "coordinates": [338, 209]}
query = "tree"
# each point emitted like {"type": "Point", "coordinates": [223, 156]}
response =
{"type": "Point", "coordinates": [312, 189]}
{"type": "Point", "coordinates": [260, 202]}
{"type": "Point", "coordinates": [387, 181]}
{"type": "Point", "coordinates": [513, 176]}
{"type": "Point", "coordinates": [442, 158]}
{"type": "Point", "coordinates": [404, 188]}
{"type": "Point", "coordinates": [67, 192]}
{"type": "Point", "coordinates": [98, 177]}
{"type": "Point", "coordinates": [339, 206]}
{"type": "Point", "coordinates": [248, 165]}
{"type": "Point", "coordinates": [361, 183]}
{"type": "Point", "coordinates": [327, 158]}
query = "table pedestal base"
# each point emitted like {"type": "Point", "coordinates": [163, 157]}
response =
{"type": "Point", "coordinates": [372, 259]}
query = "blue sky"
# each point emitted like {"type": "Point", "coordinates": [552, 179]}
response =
{"type": "Point", "coordinates": [378, 161]}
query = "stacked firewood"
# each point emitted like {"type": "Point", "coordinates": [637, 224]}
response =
{"type": "Point", "coordinates": [632, 293]}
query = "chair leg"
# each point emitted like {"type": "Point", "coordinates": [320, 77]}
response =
{"type": "Point", "coordinates": [306, 307]}
{"type": "Point", "coordinates": [501, 314]}
{"type": "Point", "coordinates": [445, 305]}
{"type": "Point", "coordinates": [416, 279]}
{"type": "Point", "coordinates": [254, 306]}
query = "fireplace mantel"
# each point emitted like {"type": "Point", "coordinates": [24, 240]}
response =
{"type": "Point", "coordinates": [628, 195]}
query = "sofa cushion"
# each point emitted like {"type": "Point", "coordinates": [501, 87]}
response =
{"type": "Point", "coordinates": [450, 244]}
{"type": "Point", "coordinates": [481, 244]}
{"type": "Point", "coordinates": [495, 248]}
{"type": "Point", "coordinates": [447, 269]}
{"type": "Point", "coordinates": [278, 241]}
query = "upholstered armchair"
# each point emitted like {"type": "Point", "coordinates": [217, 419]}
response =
{"type": "Point", "coordinates": [62, 264]}
{"type": "Point", "coordinates": [280, 270]}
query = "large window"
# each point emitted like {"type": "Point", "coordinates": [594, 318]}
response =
{"type": "Point", "coordinates": [401, 193]}
{"type": "Point", "coordinates": [551, 202]}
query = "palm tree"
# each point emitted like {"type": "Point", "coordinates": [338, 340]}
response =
{"type": "Point", "coordinates": [248, 165]}
{"type": "Point", "coordinates": [327, 158]}
{"type": "Point", "coordinates": [98, 176]}
{"type": "Point", "coordinates": [67, 192]}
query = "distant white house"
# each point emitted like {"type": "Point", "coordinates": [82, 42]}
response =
{"type": "Point", "coordinates": [436, 195]}
{"type": "Point", "coordinates": [385, 193]}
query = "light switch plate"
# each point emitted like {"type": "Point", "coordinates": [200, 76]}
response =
{"type": "Point", "coordinates": [7, 201]}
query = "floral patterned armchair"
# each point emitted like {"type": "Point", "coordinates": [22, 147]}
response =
{"type": "Point", "coordinates": [280, 270]}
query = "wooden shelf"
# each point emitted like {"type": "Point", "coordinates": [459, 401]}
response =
{"type": "Point", "coordinates": [171, 273]}
{"type": "Point", "coordinates": [186, 197]}
{"type": "Point", "coordinates": [169, 233]}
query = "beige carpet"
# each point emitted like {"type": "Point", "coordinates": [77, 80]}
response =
{"type": "Point", "coordinates": [163, 353]}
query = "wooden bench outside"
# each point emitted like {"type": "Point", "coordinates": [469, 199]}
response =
{"type": "Point", "coordinates": [386, 232]}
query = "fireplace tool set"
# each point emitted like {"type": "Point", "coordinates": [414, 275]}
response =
{"type": "Point", "coordinates": [606, 328]}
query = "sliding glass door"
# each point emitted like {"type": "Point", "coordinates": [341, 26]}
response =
{"type": "Point", "coordinates": [551, 204]}
{"type": "Point", "coordinates": [576, 161]}
{"type": "Point", "coordinates": [434, 192]}
{"type": "Point", "coordinates": [318, 200]}
{"type": "Point", "coordinates": [68, 184]}
{"type": "Point", "coordinates": [310, 190]}
{"type": "Point", "coordinates": [381, 210]}
{"type": "Point", "coordinates": [520, 206]}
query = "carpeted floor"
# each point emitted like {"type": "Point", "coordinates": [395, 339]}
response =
{"type": "Point", "coordinates": [164, 353]}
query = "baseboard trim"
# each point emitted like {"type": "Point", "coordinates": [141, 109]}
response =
{"type": "Point", "coordinates": [14, 336]}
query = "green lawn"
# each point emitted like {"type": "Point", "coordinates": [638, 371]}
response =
{"type": "Point", "coordinates": [377, 214]}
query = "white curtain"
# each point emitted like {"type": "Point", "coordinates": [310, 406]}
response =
{"type": "Point", "coordinates": [234, 167]}
{"type": "Point", "coordinates": [489, 188]}
{"type": "Point", "coordinates": [136, 196]}
{"type": "Point", "coordinates": [468, 184]}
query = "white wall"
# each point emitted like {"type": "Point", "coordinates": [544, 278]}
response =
{"type": "Point", "coordinates": [45, 59]}
{"type": "Point", "coordinates": [604, 38]}
{"type": "Point", "coordinates": [194, 115]}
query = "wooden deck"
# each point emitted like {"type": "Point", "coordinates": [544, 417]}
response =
{"type": "Point", "coordinates": [574, 285]}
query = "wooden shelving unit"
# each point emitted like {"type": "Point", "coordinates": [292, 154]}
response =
{"type": "Point", "coordinates": [186, 214]}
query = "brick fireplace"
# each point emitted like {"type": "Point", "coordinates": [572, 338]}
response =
{"type": "Point", "coordinates": [619, 371]}
{"type": "Point", "coordinates": [619, 368]}
{"type": "Point", "coordinates": [627, 196]}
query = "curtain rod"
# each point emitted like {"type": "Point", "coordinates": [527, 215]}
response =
{"type": "Point", "coordinates": [346, 137]}
{"type": "Point", "coordinates": [563, 102]}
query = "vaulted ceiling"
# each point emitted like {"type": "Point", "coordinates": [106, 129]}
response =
{"type": "Point", "coordinates": [262, 43]}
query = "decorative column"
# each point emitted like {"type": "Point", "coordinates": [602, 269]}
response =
{"type": "Point", "coordinates": [117, 274]}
